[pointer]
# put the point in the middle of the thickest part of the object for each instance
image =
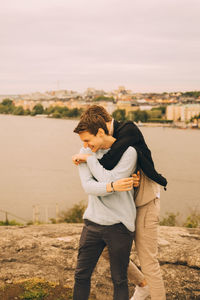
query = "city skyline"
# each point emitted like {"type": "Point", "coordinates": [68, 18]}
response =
{"type": "Point", "coordinates": [146, 46]}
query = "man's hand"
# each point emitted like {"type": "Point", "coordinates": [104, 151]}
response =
{"type": "Point", "coordinates": [136, 179]}
{"type": "Point", "coordinates": [124, 184]}
{"type": "Point", "coordinates": [80, 158]}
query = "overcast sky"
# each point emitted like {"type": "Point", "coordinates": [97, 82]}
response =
{"type": "Point", "coordinates": [145, 45]}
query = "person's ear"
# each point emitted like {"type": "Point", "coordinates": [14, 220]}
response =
{"type": "Point", "coordinates": [101, 132]}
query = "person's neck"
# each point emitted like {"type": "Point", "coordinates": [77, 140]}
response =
{"type": "Point", "coordinates": [109, 126]}
{"type": "Point", "coordinates": [108, 141]}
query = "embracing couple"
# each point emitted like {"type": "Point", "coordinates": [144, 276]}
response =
{"type": "Point", "coordinates": [122, 206]}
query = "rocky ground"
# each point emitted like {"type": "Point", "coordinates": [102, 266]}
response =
{"type": "Point", "coordinates": [49, 252]}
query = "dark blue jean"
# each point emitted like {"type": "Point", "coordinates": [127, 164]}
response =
{"type": "Point", "coordinates": [93, 239]}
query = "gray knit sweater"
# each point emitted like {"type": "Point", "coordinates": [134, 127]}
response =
{"type": "Point", "coordinates": [108, 208]}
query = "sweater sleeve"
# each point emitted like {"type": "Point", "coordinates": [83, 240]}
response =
{"type": "Point", "coordinates": [89, 184]}
{"type": "Point", "coordinates": [124, 168]}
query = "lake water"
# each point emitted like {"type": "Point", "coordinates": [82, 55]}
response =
{"type": "Point", "coordinates": [36, 167]}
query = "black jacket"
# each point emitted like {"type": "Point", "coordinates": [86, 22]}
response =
{"type": "Point", "coordinates": [128, 134]}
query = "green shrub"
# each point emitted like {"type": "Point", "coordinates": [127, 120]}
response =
{"type": "Point", "coordinates": [161, 108]}
{"type": "Point", "coordinates": [18, 111]}
{"type": "Point", "coordinates": [38, 109]}
{"type": "Point", "coordinates": [169, 220]}
{"type": "Point", "coordinates": [192, 221]}
{"type": "Point", "coordinates": [9, 223]}
{"type": "Point", "coordinates": [49, 110]}
{"type": "Point", "coordinates": [27, 112]}
{"type": "Point", "coordinates": [7, 106]}
{"type": "Point", "coordinates": [56, 115]}
{"type": "Point", "coordinates": [154, 114]}
{"type": "Point", "coordinates": [140, 115]}
{"type": "Point", "coordinates": [74, 214]}
{"type": "Point", "coordinates": [74, 112]}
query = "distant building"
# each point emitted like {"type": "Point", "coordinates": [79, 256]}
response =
{"type": "Point", "coordinates": [145, 107]}
{"type": "Point", "coordinates": [126, 105]}
{"type": "Point", "coordinates": [182, 112]}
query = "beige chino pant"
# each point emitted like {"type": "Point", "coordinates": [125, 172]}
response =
{"type": "Point", "coordinates": [146, 242]}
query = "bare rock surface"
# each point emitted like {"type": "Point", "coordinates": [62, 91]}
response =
{"type": "Point", "coordinates": [50, 251]}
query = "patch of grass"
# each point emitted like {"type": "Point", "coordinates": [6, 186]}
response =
{"type": "Point", "coordinates": [36, 289]}
{"type": "Point", "coordinates": [10, 223]}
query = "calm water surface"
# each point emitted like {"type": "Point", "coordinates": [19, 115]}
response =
{"type": "Point", "coordinates": [36, 167]}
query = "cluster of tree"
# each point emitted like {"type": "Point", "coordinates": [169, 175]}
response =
{"type": "Point", "coordinates": [194, 94]}
{"type": "Point", "coordinates": [119, 114]}
{"type": "Point", "coordinates": [197, 117]}
{"type": "Point", "coordinates": [104, 98]}
{"type": "Point", "coordinates": [156, 114]}
{"type": "Point", "coordinates": [7, 107]}
{"type": "Point", "coordinates": [63, 112]}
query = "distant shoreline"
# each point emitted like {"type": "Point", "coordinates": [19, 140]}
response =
{"type": "Point", "coordinates": [140, 124]}
{"type": "Point", "coordinates": [175, 126]}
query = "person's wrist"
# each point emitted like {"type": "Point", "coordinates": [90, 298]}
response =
{"type": "Point", "coordinates": [112, 186]}
{"type": "Point", "coordinates": [109, 188]}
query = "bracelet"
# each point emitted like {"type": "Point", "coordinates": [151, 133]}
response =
{"type": "Point", "coordinates": [113, 190]}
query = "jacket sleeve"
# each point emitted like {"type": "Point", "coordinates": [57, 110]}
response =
{"type": "Point", "coordinates": [128, 135]}
{"type": "Point", "coordinates": [112, 157]}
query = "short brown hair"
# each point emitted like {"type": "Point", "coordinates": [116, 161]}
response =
{"type": "Point", "coordinates": [97, 110]}
{"type": "Point", "coordinates": [91, 123]}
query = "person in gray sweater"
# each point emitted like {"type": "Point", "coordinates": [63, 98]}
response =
{"type": "Point", "coordinates": [110, 215]}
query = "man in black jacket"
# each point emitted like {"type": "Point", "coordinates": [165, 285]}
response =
{"type": "Point", "coordinates": [147, 203]}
